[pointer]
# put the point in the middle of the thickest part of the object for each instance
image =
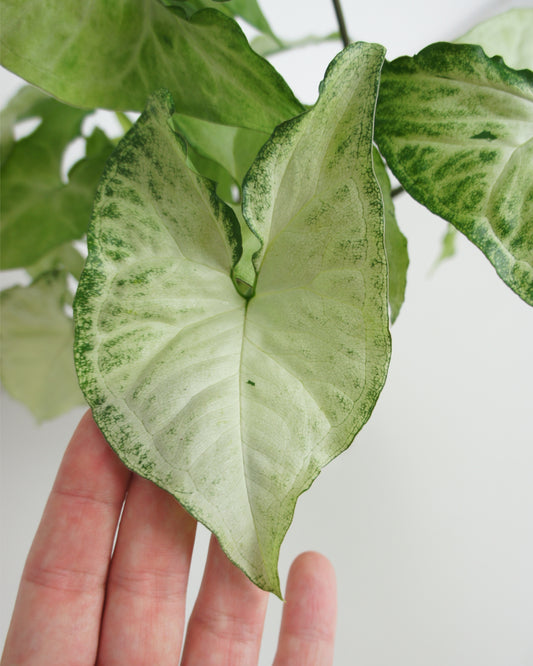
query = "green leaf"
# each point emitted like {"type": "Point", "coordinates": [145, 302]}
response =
{"type": "Point", "coordinates": [26, 103]}
{"type": "Point", "coordinates": [39, 211]}
{"type": "Point", "coordinates": [203, 166]}
{"type": "Point", "coordinates": [267, 46]}
{"type": "Point", "coordinates": [448, 246]}
{"type": "Point", "coordinates": [36, 339]}
{"type": "Point", "coordinates": [395, 242]}
{"type": "Point", "coordinates": [235, 404]}
{"type": "Point", "coordinates": [249, 10]}
{"type": "Point", "coordinates": [234, 148]}
{"type": "Point", "coordinates": [62, 258]}
{"type": "Point", "coordinates": [456, 128]}
{"type": "Point", "coordinates": [114, 55]}
{"type": "Point", "coordinates": [509, 35]}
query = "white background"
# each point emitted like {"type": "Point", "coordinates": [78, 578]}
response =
{"type": "Point", "coordinates": [428, 518]}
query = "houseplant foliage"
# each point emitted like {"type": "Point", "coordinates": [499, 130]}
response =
{"type": "Point", "coordinates": [232, 319]}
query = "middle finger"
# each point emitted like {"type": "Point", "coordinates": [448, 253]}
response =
{"type": "Point", "coordinates": [145, 604]}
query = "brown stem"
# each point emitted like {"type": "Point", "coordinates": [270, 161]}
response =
{"type": "Point", "coordinates": [340, 20]}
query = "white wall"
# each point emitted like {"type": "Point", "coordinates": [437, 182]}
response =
{"type": "Point", "coordinates": [428, 518]}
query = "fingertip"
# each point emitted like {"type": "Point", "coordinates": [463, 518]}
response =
{"type": "Point", "coordinates": [310, 613]}
{"type": "Point", "coordinates": [315, 565]}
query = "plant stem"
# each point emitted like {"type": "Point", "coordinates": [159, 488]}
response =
{"type": "Point", "coordinates": [396, 191]}
{"type": "Point", "coordinates": [340, 20]}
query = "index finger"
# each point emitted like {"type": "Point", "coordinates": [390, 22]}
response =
{"type": "Point", "coordinates": [61, 595]}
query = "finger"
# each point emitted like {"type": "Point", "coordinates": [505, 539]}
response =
{"type": "Point", "coordinates": [58, 609]}
{"type": "Point", "coordinates": [226, 624]}
{"type": "Point", "coordinates": [307, 632]}
{"type": "Point", "coordinates": [144, 614]}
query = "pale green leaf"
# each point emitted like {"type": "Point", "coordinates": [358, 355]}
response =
{"type": "Point", "coordinates": [234, 148]}
{"type": "Point", "coordinates": [448, 246]}
{"type": "Point", "coordinates": [39, 211]}
{"type": "Point", "coordinates": [267, 46]}
{"type": "Point", "coordinates": [36, 340]}
{"type": "Point", "coordinates": [456, 128]}
{"type": "Point", "coordinates": [115, 54]}
{"type": "Point", "coordinates": [235, 404]}
{"type": "Point", "coordinates": [395, 242]}
{"type": "Point", "coordinates": [249, 10]}
{"type": "Point", "coordinates": [509, 35]}
{"type": "Point", "coordinates": [225, 184]}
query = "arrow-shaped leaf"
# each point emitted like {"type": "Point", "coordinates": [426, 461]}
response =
{"type": "Point", "coordinates": [235, 404]}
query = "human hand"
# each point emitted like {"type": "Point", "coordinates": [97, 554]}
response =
{"type": "Point", "coordinates": [77, 605]}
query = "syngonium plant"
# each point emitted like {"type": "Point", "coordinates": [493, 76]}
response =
{"type": "Point", "coordinates": [232, 317]}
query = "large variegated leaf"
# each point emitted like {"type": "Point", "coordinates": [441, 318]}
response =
{"type": "Point", "coordinates": [115, 54]}
{"type": "Point", "coordinates": [509, 35]}
{"type": "Point", "coordinates": [456, 128]}
{"type": "Point", "coordinates": [235, 404]}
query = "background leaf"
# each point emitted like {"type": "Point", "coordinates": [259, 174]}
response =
{"type": "Point", "coordinates": [509, 35]}
{"type": "Point", "coordinates": [137, 48]}
{"type": "Point", "coordinates": [234, 148]}
{"type": "Point", "coordinates": [448, 246]}
{"type": "Point", "coordinates": [63, 258]}
{"type": "Point", "coordinates": [456, 128]}
{"type": "Point", "coordinates": [39, 210]}
{"type": "Point", "coordinates": [395, 243]}
{"type": "Point", "coordinates": [36, 340]}
{"type": "Point", "coordinates": [26, 103]}
{"type": "Point", "coordinates": [259, 393]}
{"type": "Point", "coordinates": [249, 10]}
{"type": "Point", "coordinates": [266, 45]}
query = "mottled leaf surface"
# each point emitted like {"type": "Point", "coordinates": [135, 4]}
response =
{"type": "Point", "coordinates": [509, 35]}
{"type": "Point", "coordinates": [395, 243]}
{"type": "Point", "coordinates": [235, 404]}
{"type": "Point", "coordinates": [36, 339]}
{"type": "Point", "coordinates": [456, 128]}
{"type": "Point", "coordinates": [113, 55]}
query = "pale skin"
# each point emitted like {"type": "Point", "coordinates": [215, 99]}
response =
{"type": "Point", "coordinates": [78, 606]}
